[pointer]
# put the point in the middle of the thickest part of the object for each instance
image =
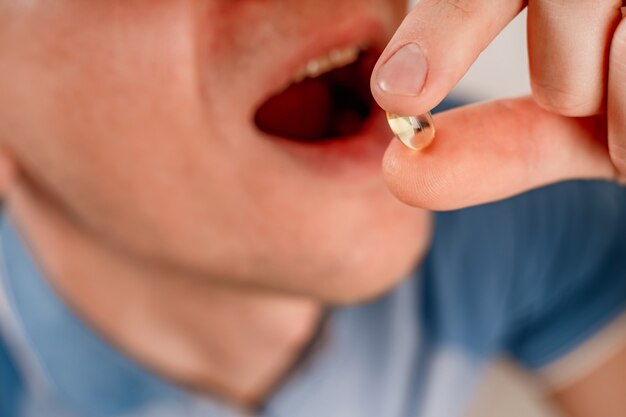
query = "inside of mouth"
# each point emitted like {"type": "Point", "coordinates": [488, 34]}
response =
{"type": "Point", "coordinates": [333, 105]}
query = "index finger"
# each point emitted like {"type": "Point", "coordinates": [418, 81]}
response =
{"type": "Point", "coordinates": [494, 150]}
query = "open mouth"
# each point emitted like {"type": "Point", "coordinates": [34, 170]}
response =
{"type": "Point", "coordinates": [328, 98]}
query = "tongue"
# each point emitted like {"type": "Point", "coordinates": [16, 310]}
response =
{"type": "Point", "coordinates": [332, 105]}
{"type": "Point", "coordinates": [303, 111]}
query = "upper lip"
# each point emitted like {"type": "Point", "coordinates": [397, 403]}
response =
{"type": "Point", "coordinates": [356, 31]}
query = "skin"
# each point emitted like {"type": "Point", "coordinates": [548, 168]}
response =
{"type": "Point", "coordinates": [598, 394]}
{"type": "Point", "coordinates": [100, 119]}
{"type": "Point", "coordinates": [576, 51]}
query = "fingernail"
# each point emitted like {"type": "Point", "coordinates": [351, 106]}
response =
{"type": "Point", "coordinates": [405, 72]}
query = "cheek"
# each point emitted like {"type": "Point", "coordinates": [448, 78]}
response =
{"type": "Point", "coordinates": [106, 116]}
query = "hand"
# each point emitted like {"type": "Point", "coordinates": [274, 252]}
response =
{"type": "Point", "coordinates": [577, 53]}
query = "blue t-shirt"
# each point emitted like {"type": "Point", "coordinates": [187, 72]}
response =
{"type": "Point", "coordinates": [532, 277]}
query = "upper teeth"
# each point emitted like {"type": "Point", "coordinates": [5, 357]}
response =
{"type": "Point", "coordinates": [336, 58]}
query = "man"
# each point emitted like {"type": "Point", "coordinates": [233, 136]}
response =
{"type": "Point", "coordinates": [195, 224]}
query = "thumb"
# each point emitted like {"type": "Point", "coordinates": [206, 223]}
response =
{"type": "Point", "coordinates": [433, 48]}
{"type": "Point", "coordinates": [490, 151]}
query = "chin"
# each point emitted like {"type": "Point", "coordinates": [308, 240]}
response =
{"type": "Point", "coordinates": [370, 271]}
{"type": "Point", "coordinates": [370, 283]}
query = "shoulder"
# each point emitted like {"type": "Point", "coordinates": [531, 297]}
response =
{"type": "Point", "coordinates": [576, 207]}
{"type": "Point", "coordinates": [548, 227]}
{"type": "Point", "coordinates": [496, 266]}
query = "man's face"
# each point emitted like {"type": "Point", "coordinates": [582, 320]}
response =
{"type": "Point", "coordinates": [151, 124]}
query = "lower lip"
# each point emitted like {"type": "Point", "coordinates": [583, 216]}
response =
{"type": "Point", "coordinates": [349, 157]}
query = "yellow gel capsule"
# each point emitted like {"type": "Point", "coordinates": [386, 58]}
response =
{"type": "Point", "coordinates": [416, 132]}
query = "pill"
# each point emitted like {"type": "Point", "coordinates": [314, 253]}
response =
{"type": "Point", "coordinates": [416, 132]}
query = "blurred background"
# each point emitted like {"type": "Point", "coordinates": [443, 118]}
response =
{"type": "Point", "coordinates": [502, 71]}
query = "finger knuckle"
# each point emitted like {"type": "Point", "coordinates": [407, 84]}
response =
{"type": "Point", "coordinates": [565, 100]}
{"type": "Point", "coordinates": [585, 5]}
{"type": "Point", "coordinates": [617, 150]}
{"type": "Point", "coordinates": [462, 8]}
{"type": "Point", "coordinates": [618, 44]}
{"type": "Point", "coordinates": [556, 3]}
